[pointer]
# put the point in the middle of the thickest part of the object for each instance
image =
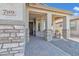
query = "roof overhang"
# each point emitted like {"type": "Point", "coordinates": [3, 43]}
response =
{"type": "Point", "coordinates": [47, 8]}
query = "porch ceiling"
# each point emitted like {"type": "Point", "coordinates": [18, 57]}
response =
{"type": "Point", "coordinates": [36, 14]}
{"type": "Point", "coordinates": [39, 15]}
{"type": "Point", "coordinates": [56, 17]}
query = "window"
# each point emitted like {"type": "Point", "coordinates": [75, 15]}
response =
{"type": "Point", "coordinates": [73, 25]}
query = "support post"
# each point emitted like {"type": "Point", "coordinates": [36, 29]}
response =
{"type": "Point", "coordinates": [48, 31]}
{"type": "Point", "coordinates": [66, 27]}
{"type": "Point", "coordinates": [26, 20]}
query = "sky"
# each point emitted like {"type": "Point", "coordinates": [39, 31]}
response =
{"type": "Point", "coordinates": [66, 6]}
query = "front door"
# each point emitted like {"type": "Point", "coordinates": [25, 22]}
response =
{"type": "Point", "coordinates": [31, 28]}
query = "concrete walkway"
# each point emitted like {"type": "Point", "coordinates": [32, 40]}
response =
{"type": "Point", "coordinates": [69, 46]}
{"type": "Point", "coordinates": [40, 47]}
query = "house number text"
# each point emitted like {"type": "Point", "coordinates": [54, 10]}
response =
{"type": "Point", "coordinates": [8, 12]}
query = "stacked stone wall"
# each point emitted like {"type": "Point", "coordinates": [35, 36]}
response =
{"type": "Point", "coordinates": [11, 39]}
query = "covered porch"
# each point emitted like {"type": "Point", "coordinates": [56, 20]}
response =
{"type": "Point", "coordinates": [42, 23]}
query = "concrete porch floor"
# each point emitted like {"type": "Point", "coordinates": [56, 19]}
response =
{"type": "Point", "coordinates": [69, 46]}
{"type": "Point", "coordinates": [39, 47]}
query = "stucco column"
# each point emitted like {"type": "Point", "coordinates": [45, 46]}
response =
{"type": "Point", "coordinates": [48, 32]}
{"type": "Point", "coordinates": [26, 19]}
{"type": "Point", "coordinates": [37, 26]}
{"type": "Point", "coordinates": [54, 27]}
{"type": "Point", "coordinates": [66, 27]}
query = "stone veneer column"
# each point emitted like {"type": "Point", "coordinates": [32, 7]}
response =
{"type": "Point", "coordinates": [48, 31]}
{"type": "Point", "coordinates": [14, 35]}
{"type": "Point", "coordinates": [26, 20]}
{"type": "Point", "coordinates": [66, 27]}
